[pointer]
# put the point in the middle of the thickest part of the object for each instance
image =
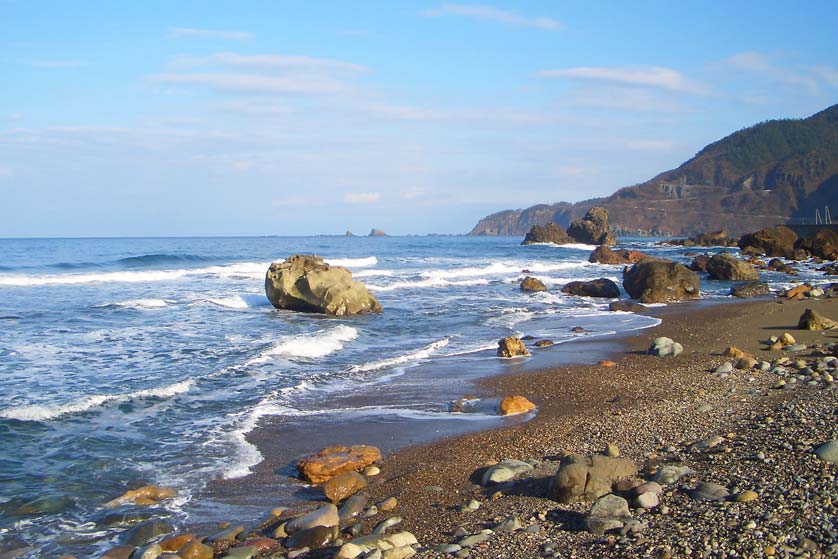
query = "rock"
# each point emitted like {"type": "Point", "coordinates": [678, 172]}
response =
{"type": "Point", "coordinates": [670, 474]}
{"type": "Point", "coordinates": [225, 539]}
{"type": "Point", "coordinates": [746, 364]}
{"type": "Point", "coordinates": [699, 263]}
{"type": "Point", "coordinates": [343, 486]}
{"type": "Point", "coordinates": [811, 320]}
{"type": "Point", "coordinates": [47, 504]}
{"type": "Point", "coordinates": [648, 500]}
{"type": "Point", "coordinates": [786, 339]}
{"type": "Point", "coordinates": [660, 281]}
{"type": "Point", "coordinates": [353, 506]}
{"type": "Point", "coordinates": [798, 292]}
{"type": "Point", "coordinates": [505, 471]}
{"type": "Point", "coordinates": [602, 287]}
{"type": "Point", "coordinates": [119, 552]}
{"type": "Point", "coordinates": [606, 363]}
{"type": "Point", "coordinates": [381, 543]}
{"type": "Point", "coordinates": [648, 487]}
{"type": "Point", "coordinates": [828, 452]}
{"type": "Point", "coordinates": [550, 233]}
{"type": "Point", "coordinates": [146, 495]}
{"type": "Point", "coordinates": [326, 515]}
{"type": "Point", "coordinates": [398, 553]}
{"type": "Point", "coordinates": [735, 352]}
{"type": "Point", "coordinates": [823, 244]}
{"type": "Point", "coordinates": [263, 546]}
{"type": "Point", "coordinates": [725, 266]}
{"type": "Point", "coordinates": [713, 239]}
{"type": "Point", "coordinates": [585, 478]}
{"type": "Point", "coordinates": [317, 537]}
{"type": "Point", "coordinates": [604, 255]}
{"type": "Point", "coordinates": [173, 543]}
{"type": "Point", "coordinates": [385, 525]}
{"type": "Point", "coordinates": [708, 443]}
{"type": "Point", "coordinates": [772, 241]}
{"type": "Point", "coordinates": [626, 306]}
{"type": "Point", "coordinates": [513, 405]}
{"type": "Point", "coordinates": [195, 550]}
{"type": "Point", "coordinates": [511, 524]}
{"type": "Point", "coordinates": [388, 504]}
{"type": "Point", "coordinates": [708, 491]}
{"type": "Point", "coordinates": [241, 552]}
{"type": "Point", "coordinates": [608, 513]}
{"type": "Point", "coordinates": [612, 450]}
{"type": "Point", "coordinates": [544, 343]}
{"type": "Point", "coordinates": [154, 551]}
{"type": "Point", "coordinates": [377, 233]}
{"type": "Point", "coordinates": [335, 460]}
{"type": "Point", "coordinates": [511, 347]}
{"type": "Point", "coordinates": [724, 368]}
{"type": "Point", "coordinates": [146, 531]}
{"type": "Point", "coordinates": [750, 289]}
{"type": "Point", "coordinates": [306, 283]}
{"type": "Point", "coordinates": [592, 229]}
{"type": "Point", "coordinates": [530, 283]}
{"type": "Point", "coordinates": [746, 496]}
{"type": "Point", "coordinates": [664, 347]}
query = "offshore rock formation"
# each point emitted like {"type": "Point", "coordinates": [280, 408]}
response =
{"type": "Point", "coordinates": [661, 281]}
{"type": "Point", "coordinates": [593, 228]}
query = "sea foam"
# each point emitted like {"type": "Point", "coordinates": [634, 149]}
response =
{"type": "Point", "coordinates": [310, 346]}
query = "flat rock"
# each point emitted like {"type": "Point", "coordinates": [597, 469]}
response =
{"type": "Point", "coordinates": [335, 460]}
{"type": "Point", "coordinates": [828, 452]}
{"type": "Point", "coordinates": [505, 471]}
{"type": "Point", "coordinates": [670, 474]}
{"type": "Point", "coordinates": [324, 516]}
{"type": "Point", "coordinates": [709, 491]}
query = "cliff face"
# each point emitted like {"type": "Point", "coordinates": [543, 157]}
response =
{"type": "Point", "coordinates": [757, 177]}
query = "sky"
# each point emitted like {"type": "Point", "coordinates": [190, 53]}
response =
{"type": "Point", "coordinates": [176, 118]}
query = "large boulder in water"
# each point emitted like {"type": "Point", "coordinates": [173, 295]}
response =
{"type": "Point", "coordinates": [550, 233]}
{"type": "Point", "coordinates": [772, 241]}
{"type": "Point", "coordinates": [304, 282]}
{"type": "Point", "coordinates": [593, 228]}
{"type": "Point", "coordinates": [602, 287]}
{"type": "Point", "coordinates": [604, 255]}
{"type": "Point", "coordinates": [661, 281]}
{"type": "Point", "coordinates": [824, 244]}
{"type": "Point", "coordinates": [725, 266]}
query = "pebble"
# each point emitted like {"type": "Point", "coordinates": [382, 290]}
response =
{"type": "Point", "coordinates": [709, 491]}
{"type": "Point", "coordinates": [726, 367]}
{"type": "Point", "coordinates": [388, 504]}
{"type": "Point", "coordinates": [747, 496]}
{"type": "Point", "coordinates": [384, 525]}
{"type": "Point", "coordinates": [371, 471]}
{"type": "Point", "coordinates": [828, 452]}
{"type": "Point", "coordinates": [447, 548]}
{"type": "Point", "coordinates": [473, 540]}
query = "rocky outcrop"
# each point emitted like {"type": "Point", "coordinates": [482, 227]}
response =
{"type": "Point", "coordinates": [335, 460]}
{"type": "Point", "coordinates": [593, 228]}
{"type": "Point", "coordinates": [725, 266]}
{"type": "Point", "coordinates": [602, 287]}
{"type": "Point", "coordinates": [811, 320]}
{"type": "Point", "coordinates": [530, 283]}
{"type": "Point", "coordinates": [604, 255]}
{"type": "Point", "coordinates": [772, 241]}
{"type": "Point", "coordinates": [824, 244]}
{"type": "Point", "coordinates": [699, 263]}
{"type": "Point", "coordinates": [626, 306]}
{"type": "Point", "coordinates": [750, 289]}
{"type": "Point", "coordinates": [661, 281]}
{"type": "Point", "coordinates": [304, 282]}
{"type": "Point", "coordinates": [713, 239]}
{"type": "Point", "coordinates": [586, 478]}
{"type": "Point", "coordinates": [550, 233]}
{"type": "Point", "coordinates": [512, 347]}
{"type": "Point", "coordinates": [377, 233]}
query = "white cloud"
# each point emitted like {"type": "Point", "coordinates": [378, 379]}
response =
{"type": "Point", "coordinates": [490, 13]}
{"type": "Point", "coordinates": [251, 83]}
{"type": "Point", "coordinates": [362, 197]}
{"type": "Point", "coordinates": [178, 32]}
{"type": "Point", "coordinates": [58, 63]}
{"type": "Point", "coordinates": [759, 63]}
{"type": "Point", "coordinates": [632, 99]}
{"type": "Point", "coordinates": [828, 74]}
{"type": "Point", "coordinates": [269, 61]}
{"type": "Point", "coordinates": [252, 109]}
{"type": "Point", "coordinates": [648, 145]}
{"type": "Point", "coordinates": [655, 76]}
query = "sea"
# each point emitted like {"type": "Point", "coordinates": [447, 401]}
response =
{"type": "Point", "coordinates": [132, 361]}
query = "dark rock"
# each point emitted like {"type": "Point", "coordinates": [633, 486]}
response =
{"type": "Point", "coordinates": [823, 244]}
{"type": "Point", "coordinates": [530, 283]}
{"type": "Point", "coordinates": [593, 228]}
{"type": "Point", "coordinates": [772, 241]}
{"type": "Point", "coordinates": [353, 506]}
{"type": "Point", "coordinates": [550, 233]}
{"type": "Point", "coordinates": [147, 531]}
{"type": "Point", "coordinates": [811, 320]}
{"type": "Point", "coordinates": [544, 343]}
{"type": "Point", "coordinates": [377, 233]}
{"type": "Point", "coordinates": [119, 552]}
{"type": "Point", "coordinates": [312, 538]}
{"type": "Point", "coordinates": [750, 289]}
{"type": "Point", "coordinates": [604, 255]}
{"type": "Point", "coordinates": [627, 306]}
{"type": "Point", "coordinates": [699, 263]}
{"type": "Point", "coordinates": [661, 281]}
{"type": "Point", "coordinates": [601, 287]}
{"type": "Point", "coordinates": [585, 478]}
{"type": "Point", "coordinates": [725, 266]}
{"type": "Point", "coordinates": [511, 347]}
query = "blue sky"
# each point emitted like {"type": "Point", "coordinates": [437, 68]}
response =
{"type": "Point", "coordinates": [253, 118]}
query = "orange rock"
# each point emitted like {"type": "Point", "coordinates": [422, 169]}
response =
{"type": "Point", "coordinates": [512, 405]}
{"type": "Point", "coordinates": [173, 543]}
{"type": "Point", "coordinates": [196, 550]}
{"type": "Point", "coordinates": [607, 363]}
{"type": "Point", "coordinates": [799, 291]}
{"type": "Point", "coordinates": [344, 486]}
{"type": "Point", "coordinates": [335, 460]}
{"type": "Point", "coordinates": [736, 353]}
{"type": "Point", "coordinates": [146, 495]}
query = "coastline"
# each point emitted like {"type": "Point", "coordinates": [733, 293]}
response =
{"type": "Point", "coordinates": [642, 404]}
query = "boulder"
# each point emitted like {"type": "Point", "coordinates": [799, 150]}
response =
{"type": "Point", "coordinates": [326, 515]}
{"type": "Point", "coordinates": [823, 244]}
{"type": "Point", "coordinates": [335, 460]}
{"type": "Point", "coordinates": [593, 228]}
{"type": "Point", "coordinates": [811, 320]}
{"type": "Point", "coordinates": [664, 347]}
{"type": "Point", "coordinates": [608, 513]}
{"type": "Point", "coordinates": [602, 287]}
{"type": "Point", "coordinates": [146, 531]}
{"type": "Point", "coordinates": [626, 306]}
{"type": "Point", "coordinates": [699, 263]}
{"type": "Point", "coordinates": [511, 347]}
{"type": "Point", "coordinates": [312, 538]}
{"type": "Point", "coordinates": [505, 471]}
{"type": "Point", "coordinates": [713, 239]}
{"type": "Point", "coordinates": [585, 478]}
{"type": "Point", "coordinates": [509, 405]}
{"type": "Point", "coordinates": [604, 255]}
{"type": "Point", "coordinates": [344, 485]}
{"type": "Point", "coordinates": [772, 241]}
{"type": "Point", "coordinates": [777, 265]}
{"type": "Point", "coordinates": [353, 506]}
{"type": "Point", "coordinates": [306, 283]}
{"type": "Point", "coordinates": [513, 405]}
{"type": "Point", "coordinates": [725, 266]}
{"type": "Point", "coordinates": [750, 289]}
{"type": "Point", "coordinates": [660, 281]}
{"type": "Point", "coordinates": [146, 495]}
{"type": "Point", "coordinates": [195, 550]}
{"type": "Point", "coordinates": [262, 546]}
{"type": "Point", "coordinates": [383, 542]}
{"type": "Point", "coordinates": [550, 233]}
{"type": "Point", "coordinates": [377, 233]}
{"type": "Point", "coordinates": [530, 283]}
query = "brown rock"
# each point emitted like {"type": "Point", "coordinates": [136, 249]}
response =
{"type": "Point", "coordinates": [530, 283]}
{"type": "Point", "coordinates": [823, 244]}
{"type": "Point", "coordinates": [735, 352]}
{"type": "Point", "coordinates": [750, 289]}
{"type": "Point", "coordinates": [335, 460]}
{"type": "Point", "coordinates": [511, 347]}
{"type": "Point", "coordinates": [312, 538]}
{"type": "Point", "coordinates": [746, 363]}
{"type": "Point", "coordinates": [798, 292]}
{"type": "Point", "coordinates": [593, 228]}
{"type": "Point", "coordinates": [585, 478]}
{"type": "Point", "coordinates": [604, 255]}
{"type": "Point", "coordinates": [725, 266]}
{"type": "Point", "coordinates": [119, 552]}
{"type": "Point", "coordinates": [550, 233]}
{"type": "Point", "coordinates": [626, 306]}
{"type": "Point", "coordinates": [602, 287]}
{"type": "Point", "coordinates": [660, 281]}
{"type": "Point", "coordinates": [344, 486]}
{"type": "Point", "coordinates": [264, 546]}
{"type": "Point", "coordinates": [148, 494]}
{"type": "Point", "coordinates": [173, 543]}
{"type": "Point", "coordinates": [195, 550]}
{"type": "Point", "coordinates": [512, 405]}
{"type": "Point", "coordinates": [607, 363]}
{"type": "Point", "coordinates": [772, 241]}
{"type": "Point", "coordinates": [811, 320]}
{"type": "Point", "coordinates": [544, 343]}
{"type": "Point", "coordinates": [699, 263]}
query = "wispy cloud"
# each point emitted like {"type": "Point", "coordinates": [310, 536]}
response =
{"type": "Point", "coordinates": [497, 15]}
{"type": "Point", "coordinates": [648, 145]}
{"type": "Point", "coordinates": [268, 61]}
{"type": "Point", "coordinates": [362, 197]}
{"type": "Point", "coordinates": [655, 76]}
{"type": "Point", "coordinates": [179, 32]}
{"type": "Point", "coordinates": [252, 109]}
{"type": "Point", "coordinates": [258, 84]}
{"type": "Point", "coordinates": [621, 98]}
{"type": "Point", "coordinates": [761, 64]}
{"type": "Point", "coordinates": [58, 63]}
{"type": "Point", "coordinates": [828, 74]}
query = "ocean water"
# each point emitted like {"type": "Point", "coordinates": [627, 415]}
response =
{"type": "Point", "coordinates": [132, 361]}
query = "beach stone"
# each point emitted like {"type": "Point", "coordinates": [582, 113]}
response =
{"type": "Point", "coordinates": [312, 538]}
{"type": "Point", "coordinates": [648, 500]}
{"type": "Point", "coordinates": [709, 491]}
{"type": "Point", "coordinates": [725, 266]}
{"type": "Point", "coordinates": [708, 443]}
{"type": "Point", "coordinates": [811, 320]}
{"type": "Point", "coordinates": [746, 363]}
{"type": "Point", "coordinates": [302, 551]}
{"type": "Point", "coordinates": [608, 513]}
{"type": "Point", "coordinates": [372, 471]}
{"type": "Point", "coordinates": [511, 524]}
{"type": "Point", "coordinates": [612, 450]}
{"type": "Point", "coordinates": [513, 405]}
{"type": "Point", "coordinates": [544, 343]}
{"type": "Point", "coordinates": [335, 460]}
{"type": "Point", "coordinates": [794, 347]}
{"type": "Point", "coordinates": [449, 548]}
{"type": "Point", "coordinates": [353, 506]}
{"type": "Point", "coordinates": [606, 363]}
{"type": "Point", "coordinates": [505, 471]}
{"type": "Point", "coordinates": [648, 487]}
{"type": "Point", "coordinates": [324, 516]}
{"type": "Point", "coordinates": [173, 543]}
{"type": "Point", "coordinates": [304, 282]}
{"type": "Point", "coordinates": [196, 550]}
{"type": "Point", "coordinates": [661, 281]}
{"type": "Point", "coordinates": [511, 347]}
{"type": "Point", "coordinates": [262, 545]}
{"type": "Point", "coordinates": [746, 496]}
{"type": "Point", "coordinates": [152, 551]}
{"type": "Point", "coordinates": [786, 339]}
{"type": "Point", "coordinates": [146, 495]}
{"type": "Point", "coordinates": [385, 525]}
{"type": "Point", "coordinates": [605, 255]}
{"type": "Point", "coordinates": [664, 347]}
{"type": "Point", "coordinates": [473, 540]}
{"type": "Point", "coordinates": [585, 478]}
{"type": "Point", "coordinates": [735, 352]}
{"type": "Point", "coordinates": [242, 552]}
{"type": "Point", "coordinates": [388, 504]}
{"type": "Point", "coordinates": [530, 283]}
{"type": "Point", "coordinates": [750, 289]}
{"type": "Point", "coordinates": [828, 452]}
{"type": "Point", "coordinates": [602, 287]}
{"type": "Point", "coordinates": [119, 552]}
{"type": "Point", "coordinates": [370, 543]}
{"type": "Point", "coordinates": [670, 474]}
{"type": "Point", "coordinates": [725, 367]}
{"type": "Point", "coordinates": [398, 553]}
{"type": "Point", "coordinates": [146, 531]}
{"type": "Point", "coordinates": [344, 485]}
{"type": "Point", "coordinates": [224, 539]}
{"type": "Point", "coordinates": [626, 306]}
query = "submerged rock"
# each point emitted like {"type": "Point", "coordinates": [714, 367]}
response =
{"type": "Point", "coordinates": [604, 255]}
{"type": "Point", "coordinates": [146, 495]}
{"type": "Point", "coordinates": [530, 283]}
{"type": "Point", "coordinates": [602, 287]}
{"type": "Point", "coordinates": [771, 241]}
{"type": "Point", "coordinates": [750, 289]}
